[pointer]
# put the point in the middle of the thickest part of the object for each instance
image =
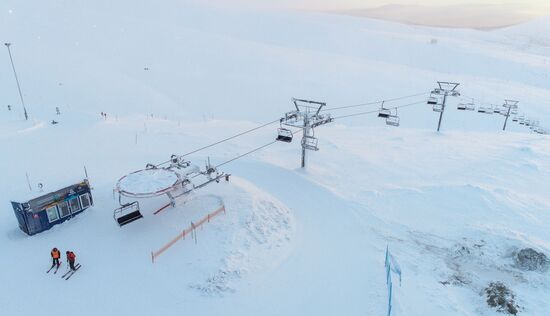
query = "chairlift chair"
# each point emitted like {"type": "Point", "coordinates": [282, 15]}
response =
{"type": "Point", "coordinates": [392, 120]}
{"type": "Point", "coordinates": [432, 100]}
{"type": "Point", "coordinates": [486, 110]}
{"type": "Point", "coordinates": [470, 106]}
{"type": "Point", "coordinates": [438, 107]}
{"type": "Point", "coordinates": [284, 135]}
{"type": "Point", "coordinates": [384, 113]}
{"type": "Point", "coordinates": [539, 130]}
{"type": "Point", "coordinates": [127, 213]}
{"type": "Point", "coordinates": [461, 106]}
{"type": "Point", "coordinates": [310, 143]}
{"type": "Point", "coordinates": [514, 119]}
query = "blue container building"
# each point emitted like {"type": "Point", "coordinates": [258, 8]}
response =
{"type": "Point", "coordinates": [43, 212]}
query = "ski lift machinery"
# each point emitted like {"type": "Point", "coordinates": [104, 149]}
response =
{"type": "Point", "coordinates": [306, 116]}
{"type": "Point", "coordinates": [438, 98]}
{"type": "Point", "coordinates": [177, 179]}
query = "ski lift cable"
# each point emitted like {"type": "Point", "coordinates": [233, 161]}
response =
{"type": "Point", "coordinates": [247, 153]}
{"type": "Point", "coordinates": [223, 140]}
{"type": "Point", "coordinates": [376, 111]}
{"type": "Point", "coordinates": [252, 151]}
{"type": "Point", "coordinates": [277, 120]}
{"type": "Point", "coordinates": [374, 102]}
{"type": "Point", "coordinates": [481, 102]}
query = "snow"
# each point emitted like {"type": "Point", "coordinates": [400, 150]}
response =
{"type": "Point", "coordinates": [453, 207]}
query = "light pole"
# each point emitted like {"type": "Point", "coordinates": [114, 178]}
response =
{"type": "Point", "coordinates": [17, 81]}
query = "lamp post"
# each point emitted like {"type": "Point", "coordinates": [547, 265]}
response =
{"type": "Point", "coordinates": [17, 81]}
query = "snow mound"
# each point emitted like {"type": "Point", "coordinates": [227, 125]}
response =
{"type": "Point", "coordinates": [262, 228]}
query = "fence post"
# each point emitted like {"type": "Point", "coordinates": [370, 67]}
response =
{"type": "Point", "coordinates": [209, 217]}
{"type": "Point", "coordinates": [194, 232]}
{"type": "Point", "coordinates": [152, 257]}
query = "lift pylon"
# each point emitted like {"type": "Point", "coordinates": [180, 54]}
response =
{"type": "Point", "coordinates": [307, 116]}
{"type": "Point", "coordinates": [509, 105]}
{"type": "Point", "coordinates": [444, 89]}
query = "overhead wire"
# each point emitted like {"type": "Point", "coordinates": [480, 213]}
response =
{"type": "Point", "coordinates": [252, 151]}
{"type": "Point", "coordinates": [375, 111]}
{"type": "Point", "coordinates": [373, 102]}
{"type": "Point", "coordinates": [299, 130]}
{"type": "Point", "coordinates": [223, 140]}
{"type": "Point", "coordinates": [277, 120]}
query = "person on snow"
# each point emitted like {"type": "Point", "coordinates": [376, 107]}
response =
{"type": "Point", "coordinates": [71, 257]}
{"type": "Point", "coordinates": [56, 254]}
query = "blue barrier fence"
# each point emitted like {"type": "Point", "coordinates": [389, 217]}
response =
{"type": "Point", "coordinates": [391, 266]}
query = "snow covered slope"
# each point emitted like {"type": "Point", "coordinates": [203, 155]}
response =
{"type": "Point", "coordinates": [174, 77]}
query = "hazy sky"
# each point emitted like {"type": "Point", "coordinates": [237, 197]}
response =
{"type": "Point", "coordinates": [532, 6]}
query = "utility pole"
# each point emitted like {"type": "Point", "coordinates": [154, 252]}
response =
{"type": "Point", "coordinates": [17, 81]}
{"type": "Point", "coordinates": [444, 89]}
{"type": "Point", "coordinates": [306, 117]}
{"type": "Point", "coordinates": [510, 104]}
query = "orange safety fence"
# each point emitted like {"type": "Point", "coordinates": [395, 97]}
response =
{"type": "Point", "coordinates": [187, 231]}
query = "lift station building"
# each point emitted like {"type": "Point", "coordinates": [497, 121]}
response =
{"type": "Point", "coordinates": [41, 211]}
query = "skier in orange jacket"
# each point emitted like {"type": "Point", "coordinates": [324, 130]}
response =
{"type": "Point", "coordinates": [56, 254]}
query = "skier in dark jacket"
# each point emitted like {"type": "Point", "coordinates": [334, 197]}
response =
{"type": "Point", "coordinates": [56, 254]}
{"type": "Point", "coordinates": [71, 257]}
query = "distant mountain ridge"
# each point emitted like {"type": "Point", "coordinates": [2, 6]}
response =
{"type": "Point", "coordinates": [480, 17]}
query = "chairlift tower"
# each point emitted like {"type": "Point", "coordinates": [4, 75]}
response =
{"type": "Point", "coordinates": [510, 105]}
{"type": "Point", "coordinates": [443, 90]}
{"type": "Point", "coordinates": [17, 81]}
{"type": "Point", "coordinates": [307, 116]}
